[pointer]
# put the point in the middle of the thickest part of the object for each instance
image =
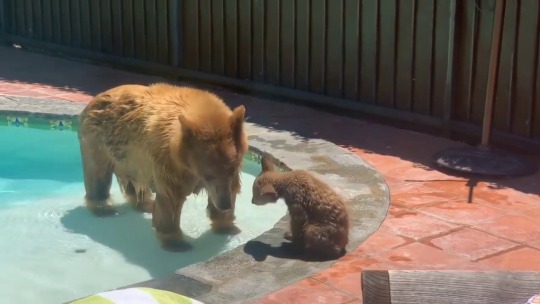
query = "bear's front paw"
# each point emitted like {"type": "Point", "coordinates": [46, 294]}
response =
{"type": "Point", "coordinates": [288, 236]}
{"type": "Point", "coordinates": [228, 229]}
{"type": "Point", "coordinates": [103, 210]}
{"type": "Point", "coordinates": [174, 242]}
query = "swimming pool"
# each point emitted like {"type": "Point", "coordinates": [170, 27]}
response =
{"type": "Point", "coordinates": [54, 250]}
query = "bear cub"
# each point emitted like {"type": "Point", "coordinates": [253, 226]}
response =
{"type": "Point", "coordinates": [319, 224]}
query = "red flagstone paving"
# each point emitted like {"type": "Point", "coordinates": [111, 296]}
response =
{"type": "Point", "coordinates": [430, 224]}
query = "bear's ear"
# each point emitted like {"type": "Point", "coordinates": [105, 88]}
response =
{"type": "Point", "coordinates": [237, 127]}
{"type": "Point", "coordinates": [266, 164]}
{"type": "Point", "coordinates": [269, 190]}
{"type": "Point", "coordinates": [185, 125]}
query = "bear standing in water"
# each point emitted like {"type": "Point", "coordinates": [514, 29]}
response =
{"type": "Point", "coordinates": [319, 218]}
{"type": "Point", "coordinates": [168, 140]}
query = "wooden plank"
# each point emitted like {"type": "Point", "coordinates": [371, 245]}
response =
{"type": "Point", "coordinates": [526, 55]}
{"type": "Point", "coordinates": [205, 35]}
{"type": "Point", "coordinates": [56, 21]}
{"type": "Point", "coordinates": [440, 56]}
{"type": "Point", "coordinates": [502, 108]}
{"type": "Point", "coordinates": [231, 38]}
{"type": "Point", "coordinates": [95, 25]}
{"type": "Point", "coordinates": [351, 63]}
{"type": "Point", "coordinates": [139, 21]}
{"type": "Point", "coordinates": [37, 19]}
{"type": "Point", "coordinates": [151, 30]}
{"type": "Point", "coordinates": [405, 54]}
{"type": "Point", "coordinates": [258, 49]}
{"type": "Point", "coordinates": [65, 22]}
{"type": "Point", "coordinates": [286, 44]}
{"type": "Point", "coordinates": [334, 49]}
{"type": "Point", "coordinates": [244, 39]}
{"type": "Point", "coordinates": [75, 21]}
{"type": "Point", "coordinates": [317, 58]}
{"type": "Point", "coordinates": [190, 27]}
{"type": "Point", "coordinates": [128, 29]}
{"type": "Point", "coordinates": [46, 7]}
{"type": "Point", "coordinates": [163, 35]}
{"type": "Point", "coordinates": [20, 18]}
{"type": "Point", "coordinates": [117, 23]}
{"type": "Point", "coordinates": [376, 287]}
{"type": "Point", "coordinates": [106, 26]}
{"type": "Point", "coordinates": [481, 65]}
{"type": "Point", "coordinates": [423, 55]}
{"type": "Point", "coordinates": [536, 100]}
{"type": "Point", "coordinates": [86, 25]}
{"type": "Point", "coordinates": [387, 53]}
{"type": "Point", "coordinates": [176, 33]}
{"type": "Point", "coordinates": [303, 43]}
{"type": "Point", "coordinates": [218, 37]}
{"type": "Point", "coordinates": [28, 18]}
{"type": "Point", "coordinates": [272, 53]}
{"type": "Point", "coordinates": [471, 287]}
{"type": "Point", "coordinates": [369, 58]}
{"type": "Point", "coordinates": [465, 58]}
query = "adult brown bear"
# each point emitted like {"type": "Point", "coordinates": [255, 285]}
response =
{"type": "Point", "coordinates": [168, 140]}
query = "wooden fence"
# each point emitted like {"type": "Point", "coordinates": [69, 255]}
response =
{"type": "Point", "coordinates": [424, 60]}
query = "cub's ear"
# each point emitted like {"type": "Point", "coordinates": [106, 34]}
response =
{"type": "Point", "coordinates": [237, 127]}
{"type": "Point", "coordinates": [266, 164]}
{"type": "Point", "coordinates": [269, 190]}
{"type": "Point", "coordinates": [185, 125]}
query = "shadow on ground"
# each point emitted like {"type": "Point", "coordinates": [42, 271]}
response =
{"type": "Point", "coordinates": [131, 234]}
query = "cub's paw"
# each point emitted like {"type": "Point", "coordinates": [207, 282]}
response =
{"type": "Point", "coordinates": [102, 210]}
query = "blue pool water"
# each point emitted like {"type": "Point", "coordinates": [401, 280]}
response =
{"type": "Point", "coordinates": [53, 250]}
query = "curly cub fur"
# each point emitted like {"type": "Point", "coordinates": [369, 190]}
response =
{"type": "Point", "coordinates": [168, 140]}
{"type": "Point", "coordinates": [319, 218]}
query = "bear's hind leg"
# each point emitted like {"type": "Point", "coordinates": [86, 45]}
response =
{"type": "Point", "coordinates": [98, 172]}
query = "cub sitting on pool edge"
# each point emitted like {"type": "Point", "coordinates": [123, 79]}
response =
{"type": "Point", "coordinates": [319, 218]}
{"type": "Point", "coordinates": [170, 140]}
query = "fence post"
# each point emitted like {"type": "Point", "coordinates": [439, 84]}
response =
{"type": "Point", "coordinates": [176, 31]}
{"type": "Point", "coordinates": [449, 83]}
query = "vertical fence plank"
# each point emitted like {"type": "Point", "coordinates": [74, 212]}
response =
{"type": "Point", "coordinates": [244, 39]}
{"type": "Point", "coordinates": [352, 49]}
{"type": "Point", "coordinates": [151, 32]}
{"type": "Point", "coordinates": [163, 35]}
{"type": "Point", "coordinates": [466, 49]}
{"type": "Point", "coordinates": [405, 54]}
{"type": "Point", "coordinates": [191, 27]}
{"type": "Point", "coordinates": [117, 17]}
{"type": "Point", "coordinates": [369, 50]}
{"type": "Point", "coordinates": [37, 20]}
{"type": "Point", "coordinates": [75, 21]}
{"type": "Point", "coordinates": [272, 53]}
{"type": "Point", "coordinates": [20, 16]}
{"type": "Point", "coordinates": [423, 56]}
{"type": "Point", "coordinates": [128, 29]}
{"type": "Point", "coordinates": [481, 63]}
{"type": "Point", "coordinates": [440, 56]}
{"type": "Point", "coordinates": [28, 18]}
{"type": "Point", "coordinates": [536, 92]}
{"type": "Point", "coordinates": [387, 53]}
{"type": "Point", "coordinates": [95, 25]}
{"type": "Point", "coordinates": [502, 108]}
{"type": "Point", "coordinates": [288, 32]}
{"type": "Point", "coordinates": [218, 37]}
{"type": "Point", "coordinates": [303, 44]}
{"type": "Point", "coordinates": [259, 41]}
{"type": "Point", "coordinates": [9, 19]}
{"type": "Point", "coordinates": [65, 22]}
{"type": "Point", "coordinates": [56, 21]}
{"type": "Point", "coordinates": [317, 58]}
{"type": "Point", "coordinates": [526, 55]}
{"type": "Point", "coordinates": [334, 48]}
{"type": "Point", "coordinates": [106, 26]}
{"type": "Point", "coordinates": [205, 35]}
{"type": "Point", "coordinates": [231, 38]}
{"type": "Point", "coordinates": [139, 21]}
{"type": "Point", "coordinates": [86, 25]}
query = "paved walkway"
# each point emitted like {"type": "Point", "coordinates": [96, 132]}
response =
{"type": "Point", "coordinates": [430, 225]}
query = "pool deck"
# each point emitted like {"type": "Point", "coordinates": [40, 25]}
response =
{"type": "Point", "coordinates": [430, 224]}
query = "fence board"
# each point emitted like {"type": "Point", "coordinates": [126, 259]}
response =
{"type": "Point", "coordinates": [258, 47]}
{"type": "Point", "coordinates": [423, 56]}
{"type": "Point", "coordinates": [369, 51]}
{"type": "Point", "coordinates": [352, 49]}
{"type": "Point", "coordinates": [440, 56]}
{"type": "Point", "coordinates": [387, 57]}
{"type": "Point", "coordinates": [106, 26]}
{"type": "Point", "coordinates": [405, 54]}
{"type": "Point", "coordinates": [303, 45]}
{"type": "Point", "coordinates": [191, 27]}
{"type": "Point", "coordinates": [205, 35]}
{"type": "Point", "coordinates": [231, 38]}
{"type": "Point", "coordinates": [244, 39]}
{"type": "Point", "coordinates": [75, 21]}
{"type": "Point", "coordinates": [272, 43]}
{"type": "Point", "coordinates": [117, 16]}
{"type": "Point", "coordinates": [287, 37]}
{"type": "Point", "coordinates": [163, 39]}
{"type": "Point", "coordinates": [317, 63]}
